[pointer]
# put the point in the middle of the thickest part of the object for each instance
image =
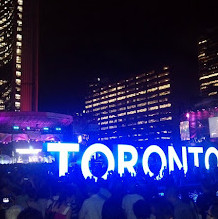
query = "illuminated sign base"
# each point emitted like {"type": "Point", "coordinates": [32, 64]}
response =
{"type": "Point", "coordinates": [172, 159]}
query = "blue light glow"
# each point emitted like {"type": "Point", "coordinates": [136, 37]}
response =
{"type": "Point", "coordinates": [28, 128]}
{"type": "Point", "coordinates": [58, 129]}
{"type": "Point", "coordinates": [16, 127]}
{"type": "Point", "coordinates": [45, 128]}
{"type": "Point", "coordinates": [88, 154]}
{"type": "Point", "coordinates": [122, 164]}
{"type": "Point", "coordinates": [123, 150]}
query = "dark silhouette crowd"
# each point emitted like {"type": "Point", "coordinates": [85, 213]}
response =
{"type": "Point", "coordinates": [34, 191]}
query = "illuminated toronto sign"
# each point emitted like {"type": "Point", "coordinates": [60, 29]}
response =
{"type": "Point", "coordinates": [171, 161]}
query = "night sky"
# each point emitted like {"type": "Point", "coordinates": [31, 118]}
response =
{"type": "Point", "coordinates": [80, 40]}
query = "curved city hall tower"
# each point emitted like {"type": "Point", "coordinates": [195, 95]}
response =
{"type": "Point", "coordinates": [19, 55]}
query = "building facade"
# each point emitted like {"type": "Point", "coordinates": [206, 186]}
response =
{"type": "Point", "coordinates": [19, 55]}
{"type": "Point", "coordinates": [136, 110]}
{"type": "Point", "coordinates": [208, 63]}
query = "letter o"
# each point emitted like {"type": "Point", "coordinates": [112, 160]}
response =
{"type": "Point", "coordinates": [211, 150]}
{"type": "Point", "coordinates": [153, 149]}
{"type": "Point", "coordinates": [87, 155]}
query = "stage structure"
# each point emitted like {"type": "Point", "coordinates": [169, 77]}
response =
{"type": "Point", "coordinates": [200, 126]}
{"type": "Point", "coordinates": [22, 134]}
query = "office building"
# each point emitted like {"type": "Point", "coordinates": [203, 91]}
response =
{"type": "Point", "coordinates": [134, 110]}
{"type": "Point", "coordinates": [208, 63]}
{"type": "Point", "coordinates": [19, 55]}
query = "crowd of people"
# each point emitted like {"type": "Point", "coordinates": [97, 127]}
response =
{"type": "Point", "coordinates": [34, 191]}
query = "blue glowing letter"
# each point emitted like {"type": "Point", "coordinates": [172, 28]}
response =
{"type": "Point", "coordinates": [127, 164]}
{"type": "Point", "coordinates": [172, 156]}
{"type": "Point", "coordinates": [88, 154]}
{"type": "Point", "coordinates": [184, 159]}
{"type": "Point", "coordinates": [195, 151]}
{"type": "Point", "coordinates": [153, 149]}
{"type": "Point", "coordinates": [63, 149]}
{"type": "Point", "coordinates": [211, 150]}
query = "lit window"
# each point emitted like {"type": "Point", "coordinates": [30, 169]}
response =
{"type": "Point", "coordinates": [130, 95]}
{"type": "Point", "coordinates": [112, 100]}
{"type": "Point", "coordinates": [153, 120]}
{"type": "Point", "coordinates": [142, 110]}
{"type": "Point", "coordinates": [18, 66]}
{"type": "Point", "coordinates": [112, 116]}
{"type": "Point", "coordinates": [121, 92]}
{"type": "Point", "coordinates": [112, 127]}
{"type": "Point", "coordinates": [164, 93]}
{"type": "Point", "coordinates": [163, 100]}
{"type": "Point", "coordinates": [164, 80]}
{"type": "Point", "coordinates": [18, 51]}
{"type": "Point", "coordinates": [88, 106]}
{"type": "Point", "coordinates": [152, 89]}
{"type": "Point", "coordinates": [166, 118]}
{"type": "Point", "coordinates": [212, 93]}
{"type": "Point", "coordinates": [209, 83]}
{"type": "Point", "coordinates": [113, 111]}
{"type": "Point", "coordinates": [112, 95]}
{"type": "Point", "coordinates": [142, 92]}
{"type": "Point", "coordinates": [19, 37]}
{"type": "Point", "coordinates": [17, 96]}
{"type": "Point", "coordinates": [131, 107]}
{"type": "Point", "coordinates": [104, 128]}
{"type": "Point", "coordinates": [18, 82]}
{"type": "Point", "coordinates": [209, 76]}
{"type": "Point", "coordinates": [163, 74]}
{"type": "Point", "coordinates": [19, 29]}
{"type": "Point", "coordinates": [152, 96]}
{"type": "Point", "coordinates": [142, 122]}
{"type": "Point", "coordinates": [141, 104]}
{"type": "Point", "coordinates": [19, 43]}
{"type": "Point", "coordinates": [17, 104]}
{"type": "Point", "coordinates": [122, 108]}
{"type": "Point", "coordinates": [96, 109]}
{"type": "Point", "coordinates": [164, 86]}
{"type": "Point", "coordinates": [88, 101]}
{"type": "Point", "coordinates": [121, 114]}
{"type": "Point", "coordinates": [19, 23]}
{"type": "Point", "coordinates": [203, 41]}
{"type": "Point", "coordinates": [104, 107]}
{"type": "Point", "coordinates": [165, 105]}
{"type": "Point", "coordinates": [104, 123]}
{"type": "Point", "coordinates": [152, 108]}
{"type": "Point", "coordinates": [20, 2]}
{"type": "Point", "coordinates": [18, 59]}
{"type": "Point", "coordinates": [121, 98]}
{"type": "Point", "coordinates": [152, 102]}
{"type": "Point", "coordinates": [20, 8]}
{"type": "Point", "coordinates": [104, 117]}
{"type": "Point", "coordinates": [131, 112]}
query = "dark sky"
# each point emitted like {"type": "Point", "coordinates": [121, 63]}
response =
{"type": "Point", "coordinates": [80, 40]}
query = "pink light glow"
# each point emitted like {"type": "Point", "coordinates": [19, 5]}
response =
{"type": "Point", "coordinates": [187, 115]}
